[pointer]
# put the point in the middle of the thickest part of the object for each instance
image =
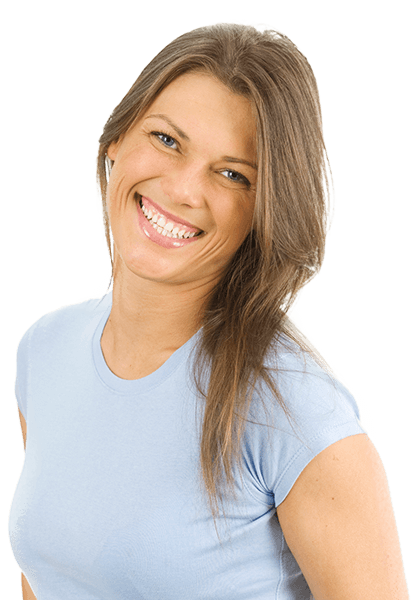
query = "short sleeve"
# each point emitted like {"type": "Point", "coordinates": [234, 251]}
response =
{"type": "Point", "coordinates": [23, 370]}
{"type": "Point", "coordinates": [322, 412]}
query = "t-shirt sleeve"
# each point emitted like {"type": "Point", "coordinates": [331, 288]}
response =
{"type": "Point", "coordinates": [23, 370]}
{"type": "Point", "coordinates": [322, 412]}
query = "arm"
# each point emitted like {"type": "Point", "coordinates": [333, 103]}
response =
{"type": "Point", "coordinates": [27, 591]}
{"type": "Point", "coordinates": [339, 524]}
{"type": "Point", "coordinates": [23, 428]}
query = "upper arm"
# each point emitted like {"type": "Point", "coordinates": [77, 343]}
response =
{"type": "Point", "coordinates": [23, 427]}
{"type": "Point", "coordinates": [338, 522]}
{"type": "Point", "coordinates": [27, 591]}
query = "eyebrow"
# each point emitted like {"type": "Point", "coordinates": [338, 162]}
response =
{"type": "Point", "coordinates": [240, 160]}
{"type": "Point", "coordinates": [181, 133]}
{"type": "Point", "coordinates": [185, 137]}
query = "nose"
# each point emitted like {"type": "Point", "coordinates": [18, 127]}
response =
{"type": "Point", "coordinates": [185, 184]}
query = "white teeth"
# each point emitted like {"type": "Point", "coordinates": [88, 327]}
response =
{"type": "Point", "coordinates": [165, 228]}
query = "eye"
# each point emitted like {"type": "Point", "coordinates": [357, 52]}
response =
{"type": "Point", "coordinates": [165, 139]}
{"type": "Point", "coordinates": [236, 177]}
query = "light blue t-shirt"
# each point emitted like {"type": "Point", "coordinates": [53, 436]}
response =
{"type": "Point", "coordinates": [108, 505]}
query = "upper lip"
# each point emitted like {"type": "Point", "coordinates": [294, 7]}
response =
{"type": "Point", "coordinates": [168, 215]}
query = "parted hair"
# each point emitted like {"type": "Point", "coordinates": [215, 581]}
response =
{"type": "Point", "coordinates": [245, 320]}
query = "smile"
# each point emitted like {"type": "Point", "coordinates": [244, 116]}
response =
{"type": "Point", "coordinates": [165, 226]}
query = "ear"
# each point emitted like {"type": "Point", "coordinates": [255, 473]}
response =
{"type": "Point", "coordinates": [113, 149]}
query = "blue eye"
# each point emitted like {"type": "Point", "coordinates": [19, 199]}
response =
{"type": "Point", "coordinates": [236, 177]}
{"type": "Point", "coordinates": [165, 139]}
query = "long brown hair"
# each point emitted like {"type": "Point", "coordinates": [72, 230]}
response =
{"type": "Point", "coordinates": [245, 319]}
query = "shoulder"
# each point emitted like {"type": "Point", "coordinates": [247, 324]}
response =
{"type": "Point", "coordinates": [309, 388]}
{"type": "Point", "coordinates": [48, 334]}
{"type": "Point", "coordinates": [74, 322]}
{"type": "Point", "coordinates": [63, 321]}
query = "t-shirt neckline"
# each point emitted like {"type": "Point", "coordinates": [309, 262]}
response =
{"type": "Point", "coordinates": [131, 386]}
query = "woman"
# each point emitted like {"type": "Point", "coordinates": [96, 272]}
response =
{"type": "Point", "coordinates": [212, 176]}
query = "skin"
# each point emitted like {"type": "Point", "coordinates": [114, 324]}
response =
{"type": "Point", "coordinates": [338, 519]}
{"type": "Point", "coordinates": [339, 524]}
{"type": "Point", "coordinates": [159, 293]}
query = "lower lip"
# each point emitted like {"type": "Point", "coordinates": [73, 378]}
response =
{"type": "Point", "coordinates": [157, 238]}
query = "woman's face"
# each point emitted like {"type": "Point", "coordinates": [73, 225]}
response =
{"type": "Point", "coordinates": [190, 162]}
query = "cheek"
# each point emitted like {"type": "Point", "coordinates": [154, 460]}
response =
{"type": "Point", "coordinates": [138, 166]}
{"type": "Point", "coordinates": [125, 176]}
{"type": "Point", "coordinates": [239, 219]}
{"type": "Point", "coordinates": [144, 163]}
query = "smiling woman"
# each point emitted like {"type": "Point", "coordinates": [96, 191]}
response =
{"type": "Point", "coordinates": [187, 387]}
{"type": "Point", "coordinates": [185, 182]}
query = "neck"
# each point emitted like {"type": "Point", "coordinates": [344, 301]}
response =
{"type": "Point", "coordinates": [151, 319]}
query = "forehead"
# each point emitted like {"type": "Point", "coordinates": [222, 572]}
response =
{"type": "Point", "coordinates": [201, 104]}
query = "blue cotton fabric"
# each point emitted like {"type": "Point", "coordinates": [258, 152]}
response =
{"type": "Point", "coordinates": [109, 504]}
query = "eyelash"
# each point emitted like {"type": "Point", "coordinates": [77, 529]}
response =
{"type": "Point", "coordinates": [157, 134]}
